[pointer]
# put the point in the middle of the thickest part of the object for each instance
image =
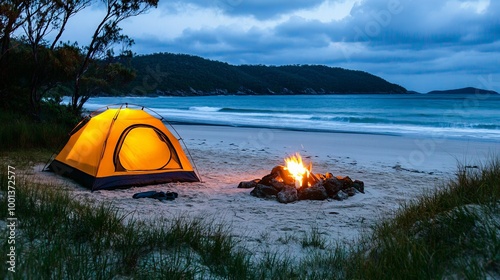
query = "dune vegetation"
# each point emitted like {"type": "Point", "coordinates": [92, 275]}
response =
{"type": "Point", "coordinates": [453, 232]}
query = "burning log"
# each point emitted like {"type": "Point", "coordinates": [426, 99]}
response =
{"type": "Point", "coordinates": [282, 173]}
{"type": "Point", "coordinates": [309, 180]}
{"type": "Point", "coordinates": [296, 182]}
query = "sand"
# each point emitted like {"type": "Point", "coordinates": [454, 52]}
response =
{"type": "Point", "coordinates": [394, 169]}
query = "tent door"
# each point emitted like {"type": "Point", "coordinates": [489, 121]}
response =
{"type": "Point", "coordinates": [144, 148]}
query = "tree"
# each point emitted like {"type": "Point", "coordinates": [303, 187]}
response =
{"type": "Point", "coordinates": [41, 18]}
{"type": "Point", "coordinates": [107, 77]}
{"type": "Point", "coordinates": [40, 65]}
{"type": "Point", "coordinates": [10, 20]}
{"type": "Point", "coordinates": [106, 35]}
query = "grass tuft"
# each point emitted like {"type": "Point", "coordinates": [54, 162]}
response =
{"type": "Point", "coordinates": [20, 132]}
{"type": "Point", "coordinates": [314, 239]}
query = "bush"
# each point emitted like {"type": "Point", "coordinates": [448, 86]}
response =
{"type": "Point", "coordinates": [19, 131]}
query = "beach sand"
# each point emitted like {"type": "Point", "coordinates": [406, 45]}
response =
{"type": "Point", "coordinates": [394, 169]}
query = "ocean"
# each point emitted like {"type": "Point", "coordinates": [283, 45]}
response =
{"type": "Point", "coordinates": [468, 116]}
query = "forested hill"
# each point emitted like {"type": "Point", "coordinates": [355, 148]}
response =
{"type": "Point", "coordinates": [178, 74]}
{"type": "Point", "coordinates": [467, 90]}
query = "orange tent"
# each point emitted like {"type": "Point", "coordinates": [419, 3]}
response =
{"type": "Point", "coordinates": [123, 147]}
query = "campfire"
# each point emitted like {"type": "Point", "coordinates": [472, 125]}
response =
{"type": "Point", "coordinates": [296, 181]}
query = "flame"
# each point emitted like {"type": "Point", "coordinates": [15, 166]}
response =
{"type": "Point", "coordinates": [296, 168]}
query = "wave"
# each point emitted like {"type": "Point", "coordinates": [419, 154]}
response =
{"type": "Point", "coordinates": [266, 112]}
{"type": "Point", "coordinates": [205, 109]}
{"type": "Point", "coordinates": [406, 121]}
{"type": "Point", "coordinates": [311, 124]}
{"type": "Point", "coordinates": [360, 116]}
{"type": "Point", "coordinates": [252, 110]}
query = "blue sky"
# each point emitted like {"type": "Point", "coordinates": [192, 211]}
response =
{"type": "Point", "coordinates": [421, 45]}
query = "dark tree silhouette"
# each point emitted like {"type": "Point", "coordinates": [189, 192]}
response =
{"type": "Point", "coordinates": [43, 17]}
{"type": "Point", "coordinates": [107, 34]}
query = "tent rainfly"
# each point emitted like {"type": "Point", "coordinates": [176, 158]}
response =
{"type": "Point", "coordinates": [123, 147]}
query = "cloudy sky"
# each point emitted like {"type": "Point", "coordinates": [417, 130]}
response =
{"type": "Point", "coordinates": [421, 45]}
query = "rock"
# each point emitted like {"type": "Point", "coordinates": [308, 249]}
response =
{"type": "Point", "coordinates": [277, 184]}
{"type": "Point", "coordinates": [350, 191]}
{"type": "Point", "coordinates": [316, 192]}
{"type": "Point", "coordinates": [287, 194]}
{"type": "Point", "coordinates": [332, 186]}
{"type": "Point", "coordinates": [263, 191]}
{"type": "Point", "coordinates": [346, 182]}
{"type": "Point", "coordinates": [248, 184]}
{"type": "Point", "coordinates": [359, 185]}
{"type": "Point", "coordinates": [341, 196]}
{"type": "Point", "coordinates": [280, 184]}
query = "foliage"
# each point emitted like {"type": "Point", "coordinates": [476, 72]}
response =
{"type": "Point", "coordinates": [34, 69]}
{"type": "Point", "coordinates": [21, 132]}
{"type": "Point", "coordinates": [40, 18]}
{"type": "Point", "coordinates": [450, 234]}
{"type": "Point", "coordinates": [107, 34]}
{"type": "Point", "coordinates": [62, 238]}
{"type": "Point", "coordinates": [14, 81]}
{"type": "Point", "coordinates": [10, 21]}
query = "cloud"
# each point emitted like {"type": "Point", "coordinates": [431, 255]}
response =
{"type": "Point", "coordinates": [259, 9]}
{"type": "Point", "coordinates": [423, 22]}
{"type": "Point", "coordinates": [391, 38]}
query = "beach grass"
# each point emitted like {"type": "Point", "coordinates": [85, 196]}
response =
{"type": "Point", "coordinates": [62, 238]}
{"type": "Point", "coordinates": [453, 232]}
{"type": "Point", "coordinates": [313, 238]}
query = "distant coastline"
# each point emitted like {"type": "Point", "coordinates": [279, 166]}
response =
{"type": "Point", "coordinates": [180, 93]}
{"type": "Point", "coordinates": [466, 90]}
{"type": "Point", "coordinates": [167, 74]}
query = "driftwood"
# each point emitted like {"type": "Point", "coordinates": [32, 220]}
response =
{"type": "Point", "coordinates": [281, 185]}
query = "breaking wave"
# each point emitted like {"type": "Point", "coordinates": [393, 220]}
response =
{"type": "Point", "coordinates": [379, 114]}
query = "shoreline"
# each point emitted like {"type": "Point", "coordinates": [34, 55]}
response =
{"type": "Point", "coordinates": [226, 156]}
{"type": "Point", "coordinates": [445, 117]}
{"type": "Point", "coordinates": [415, 152]}
{"type": "Point", "coordinates": [415, 136]}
